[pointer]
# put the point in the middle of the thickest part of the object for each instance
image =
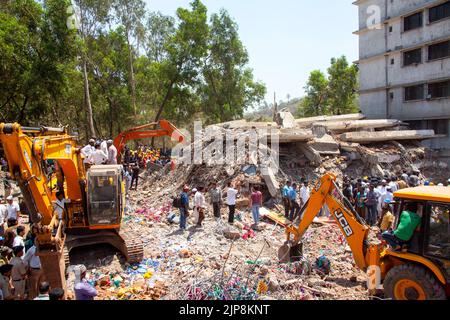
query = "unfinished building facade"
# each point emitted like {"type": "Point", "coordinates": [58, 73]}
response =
{"type": "Point", "coordinates": [405, 64]}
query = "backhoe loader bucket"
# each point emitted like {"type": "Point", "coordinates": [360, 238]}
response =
{"type": "Point", "coordinates": [290, 252]}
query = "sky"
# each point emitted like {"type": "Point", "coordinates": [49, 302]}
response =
{"type": "Point", "coordinates": [286, 39]}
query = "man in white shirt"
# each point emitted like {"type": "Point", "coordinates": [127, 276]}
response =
{"type": "Point", "coordinates": [18, 240]}
{"type": "Point", "coordinates": [87, 151]}
{"type": "Point", "coordinates": [58, 205]}
{"type": "Point", "coordinates": [200, 205]}
{"type": "Point", "coordinates": [12, 212]}
{"type": "Point", "coordinates": [98, 157]}
{"type": "Point", "coordinates": [231, 202]}
{"type": "Point", "coordinates": [112, 153]}
{"type": "Point", "coordinates": [104, 146]}
{"type": "Point", "coordinates": [18, 272]}
{"type": "Point", "coordinates": [35, 276]}
{"type": "Point", "coordinates": [3, 216]}
{"type": "Point", "coordinates": [304, 193]}
{"type": "Point", "coordinates": [381, 190]}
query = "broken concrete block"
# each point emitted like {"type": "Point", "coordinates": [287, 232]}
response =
{"type": "Point", "coordinates": [271, 181]}
{"type": "Point", "coordinates": [231, 234]}
{"type": "Point", "coordinates": [306, 122]}
{"type": "Point", "coordinates": [285, 119]}
{"type": "Point", "coordinates": [360, 124]}
{"type": "Point", "coordinates": [326, 145]}
{"type": "Point", "coordinates": [381, 136]}
{"type": "Point", "coordinates": [312, 155]}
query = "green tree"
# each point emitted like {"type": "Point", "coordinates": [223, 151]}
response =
{"type": "Point", "coordinates": [316, 102]}
{"type": "Point", "coordinates": [130, 14]}
{"type": "Point", "coordinates": [186, 49]}
{"type": "Point", "coordinates": [93, 15]}
{"type": "Point", "coordinates": [342, 86]}
{"type": "Point", "coordinates": [229, 88]}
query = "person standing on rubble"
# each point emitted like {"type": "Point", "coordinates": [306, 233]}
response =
{"type": "Point", "coordinates": [285, 197]}
{"type": "Point", "coordinates": [304, 194]}
{"type": "Point", "coordinates": [231, 202]}
{"type": "Point", "coordinates": [135, 175]}
{"type": "Point", "coordinates": [294, 204]}
{"type": "Point", "coordinates": [184, 208]}
{"type": "Point", "coordinates": [256, 204]}
{"type": "Point", "coordinates": [199, 201]}
{"type": "Point", "coordinates": [216, 199]}
{"type": "Point", "coordinates": [371, 203]}
{"type": "Point", "coordinates": [112, 152]}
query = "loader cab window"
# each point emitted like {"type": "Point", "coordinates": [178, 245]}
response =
{"type": "Point", "coordinates": [438, 241]}
{"type": "Point", "coordinates": [103, 200]}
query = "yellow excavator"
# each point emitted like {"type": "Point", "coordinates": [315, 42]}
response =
{"type": "Point", "coordinates": [419, 272]}
{"type": "Point", "coordinates": [95, 199]}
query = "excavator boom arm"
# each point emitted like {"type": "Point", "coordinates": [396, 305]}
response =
{"type": "Point", "coordinates": [144, 131]}
{"type": "Point", "coordinates": [352, 226]}
{"type": "Point", "coordinates": [26, 155]}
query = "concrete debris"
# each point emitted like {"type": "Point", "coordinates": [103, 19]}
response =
{"type": "Point", "coordinates": [381, 136]}
{"type": "Point", "coordinates": [308, 122]}
{"type": "Point", "coordinates": [360, 124]}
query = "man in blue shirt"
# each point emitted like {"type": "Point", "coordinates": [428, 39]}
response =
{"type": "Point", "coordinates": [285, 197]}
{"type": "Point", "coordinates": [83, 290]}
{"type": "Point", "coordinates": [184, 209]}
{"type": "Point", "coordinates": [295, 208]}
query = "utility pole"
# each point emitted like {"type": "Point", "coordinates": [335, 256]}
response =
{"type": "Point", "coordinates": [275, 107]}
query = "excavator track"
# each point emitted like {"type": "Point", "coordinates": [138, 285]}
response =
{"type": "Point", "coordinates": [134, 248]}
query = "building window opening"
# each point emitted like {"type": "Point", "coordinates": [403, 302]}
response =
{"type": "Point", "coordinates": [413, 21]}
{"type": "Point", "coordinates": [439, 90]}
{"type": "Point", "coordinates": [439, 12]}
{"type": "Point", "coordinates": [412, 57]}
{"type": "Point", "coordinates": [439, 50]}
{"type": "Point", "coordinates": [415, 92]}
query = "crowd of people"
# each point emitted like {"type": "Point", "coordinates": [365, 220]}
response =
{"type": "Point", "coordinates": [195, 199]}
{"type": "Point", "coordinates": [21, 275]}
{"type": "Point", "coordinates": [103, 152]}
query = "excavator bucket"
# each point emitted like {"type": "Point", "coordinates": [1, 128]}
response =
{"type": "Point", "coordinates": [290, 252]}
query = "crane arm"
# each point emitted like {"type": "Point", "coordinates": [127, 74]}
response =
{"type": "Point", "coordinates": [26, 149]}
{"type": "Point", "coordinates": [352, 226]}
{"type": "Point", "coordinates": [142, 132]}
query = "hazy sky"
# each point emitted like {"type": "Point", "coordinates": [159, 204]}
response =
{"type": "Point", "coordinates": [286, 39]}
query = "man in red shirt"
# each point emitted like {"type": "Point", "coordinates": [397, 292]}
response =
{"type": "Point", "coordinates": [256, 203]}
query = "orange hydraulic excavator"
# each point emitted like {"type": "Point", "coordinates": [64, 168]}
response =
{"type": "Point", "coordinates": [151, 130]}
{"type": "Point", "coordinates": [97, 197]}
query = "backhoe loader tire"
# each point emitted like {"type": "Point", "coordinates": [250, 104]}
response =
{"type": "Point", "coordinates": [412, 282]}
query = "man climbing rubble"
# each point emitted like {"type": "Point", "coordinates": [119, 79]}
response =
{"type": "Point", "coordinates": [295, 208]}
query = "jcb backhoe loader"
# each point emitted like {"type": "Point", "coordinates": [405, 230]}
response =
{"type": "Point", "coordinates": [97, 197]}
{"type": "Point", "coordinates": [422, 272]}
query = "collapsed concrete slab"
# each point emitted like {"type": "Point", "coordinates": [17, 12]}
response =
{"type": "Point", "coordinates": [359, 124]}
{"type": "Point", "coordinates": [325, 145]}
{"type": "Point", "coordinates": [306, 122]}
{"type": "Point", "coordinates": [382, 136]}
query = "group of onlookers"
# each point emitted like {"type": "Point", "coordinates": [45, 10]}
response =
{"type": "Point", "coordinates": [217, 198]}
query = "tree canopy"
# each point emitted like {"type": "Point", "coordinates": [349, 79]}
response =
{"type": "Point", "coordinates": [125, 65]}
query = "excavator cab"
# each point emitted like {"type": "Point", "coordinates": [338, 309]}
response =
{"type": "Point", "coordinates": [105, 196]}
